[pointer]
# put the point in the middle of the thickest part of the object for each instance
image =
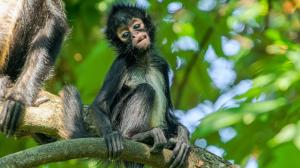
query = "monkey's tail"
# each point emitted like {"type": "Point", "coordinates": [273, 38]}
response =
{"type": "Point", "coordinates": [73, 120]}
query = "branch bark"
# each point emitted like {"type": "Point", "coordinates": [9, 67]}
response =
{"type": "Point", "coordinates": [47, 119]}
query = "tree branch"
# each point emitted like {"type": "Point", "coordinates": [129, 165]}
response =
{"type": "Point", "coordinates": [95, 147]}
{"type": "Point", "coordinates": [267, 17]}
{"type": "Point", "coordinates": [47, 119]}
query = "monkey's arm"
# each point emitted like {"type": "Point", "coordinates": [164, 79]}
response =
{"type": "Point", "coordinates": [181, 132]}
{"type": "Point", "coordinates": [101, 107]}
{"type": "Point", "coordinates": [40, 59]}
{"type": "Point", "coordinates": [112, 138]}
{"type": "Point", "coordinates": [179, 140]}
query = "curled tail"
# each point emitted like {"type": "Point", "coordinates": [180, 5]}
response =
{"type": "Point", "coordinates": [73, 121]}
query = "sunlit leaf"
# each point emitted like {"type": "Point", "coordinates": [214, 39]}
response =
{"type": "Point", "coordinates": [286, 134]}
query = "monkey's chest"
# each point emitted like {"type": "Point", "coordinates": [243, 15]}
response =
{"type": "Point", "coordinates": [150, 76]}
{"type": "Point", "coordinates": [154, 78]}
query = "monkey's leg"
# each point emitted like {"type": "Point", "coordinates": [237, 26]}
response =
{"type": "Point", "coordinates": [135, 112]}
{"type": "Point", "coordinates": [138, 117]}
{"type": "Point", "coordinates": [40, 59]}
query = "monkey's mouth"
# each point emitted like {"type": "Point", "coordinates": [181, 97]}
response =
{"type": "Point", "coordinates": [141, 39]}
{"type": "Point", "coordinates": [142, 42]}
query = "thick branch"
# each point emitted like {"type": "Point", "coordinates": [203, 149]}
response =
{"type": "Point", "coordinates": [47, 119]}
{"type": "Point", "coordinates": [95, 147]}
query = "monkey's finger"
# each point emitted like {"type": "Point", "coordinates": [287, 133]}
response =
{"type": "Point", "coordinates": [18, 108]}
{"type": "Point", "coordinates": [184, 156]}
{"type": "Point", "coordinates": [178, 159]}
{"type": "Point", "coordinates": [3, 116]}
{"type": "Point", "coordinates": [157, 135]}
{"type": "Point", "coordinates": [175, 153]}
{"type": "Point", "coordinates": [9, 112]}
{"type": "Point", "coordinates": [154, 136]}
{"type": "Point", "coordinates": [114, 147]}
{"type": "Point", "coordinates": [109, 148]}
{"type": "Point", "coordinates": [158, 146]}
{"type": "Point", "coordinates": [177, 148]}
{"type": "Point", "coordinates": [120, 145]}
{"type": "Point", "coordinates": [162, 138]}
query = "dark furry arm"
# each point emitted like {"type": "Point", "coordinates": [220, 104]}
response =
{"type": "Point", "coordinates": [101, 105]}
{"type": "Point", "coordinates": [175, 128]}
{"type": "Point", "coordinates": [41, 57]}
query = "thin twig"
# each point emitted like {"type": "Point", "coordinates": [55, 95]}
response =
{"type": "Point", "coordinates": [267, 18]}
{"type": "Point", "coordinates": [204, 42]}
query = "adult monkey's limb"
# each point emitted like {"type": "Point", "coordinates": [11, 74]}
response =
{"type": "Point", "coordinates": [47, 118]}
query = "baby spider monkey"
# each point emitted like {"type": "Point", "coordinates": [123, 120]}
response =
{"type": "Point", "coordinates": [134, 101]}
{"type": "Point", "coordinates": [135, 95]}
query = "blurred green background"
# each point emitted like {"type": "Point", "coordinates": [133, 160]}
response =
{"type": "Point", "coordinates": [235, 73]}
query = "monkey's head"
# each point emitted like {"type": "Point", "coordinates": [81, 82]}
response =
{"type": "Point", "coordinates": [130, 29]}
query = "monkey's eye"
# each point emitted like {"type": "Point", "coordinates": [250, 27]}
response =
{"type": "Point", "coordinates": [136, 26]}
{"type": "Point", "coordinates": [125, 35]}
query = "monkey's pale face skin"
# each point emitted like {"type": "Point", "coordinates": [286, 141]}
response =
{"type": "Point", "coordinates": [136, 30]}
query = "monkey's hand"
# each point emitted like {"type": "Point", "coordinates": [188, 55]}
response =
{"type": "Point", "coordinates": [159, 140]}
{"type": "Point", "coordinates": [13, 106]}
{"type": "Point", "coordinates": [181, 149]}
{"type": "Point", "coordinates": [9, 117]}
{"type": "Point", "coordinates": [158, 136]}
{"type": "Point", "coordinates": [114, 143]}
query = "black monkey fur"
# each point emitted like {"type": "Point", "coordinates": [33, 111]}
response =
{"type": "Point", "coordinates": [32, 32]}
{"type": "Point", "coordinates": [135, 97]}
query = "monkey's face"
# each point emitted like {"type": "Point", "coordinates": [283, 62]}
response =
{"type": "Point", "coordinates": [134, 33]}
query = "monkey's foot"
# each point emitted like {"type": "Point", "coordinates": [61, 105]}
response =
{"type": "Point", "coordinates": [159, 140]}
{"type": "Point", "coordinates": [158, 137]}
{"type": "Point", "coordinates": [114, 143]}
{"type": "Point", "coordinates": [9, 117]}
{"type": "Point", "coordinates": [180, 153]}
